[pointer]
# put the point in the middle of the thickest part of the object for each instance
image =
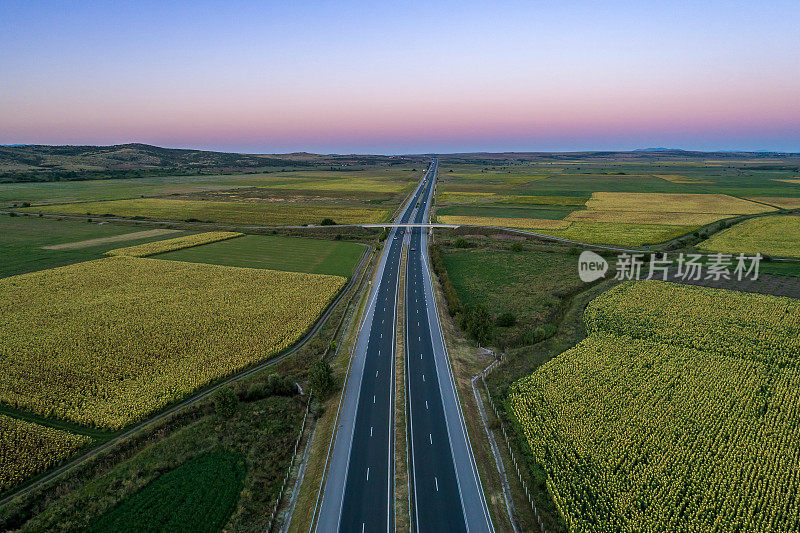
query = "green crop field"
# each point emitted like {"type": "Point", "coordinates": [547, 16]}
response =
{"type": "Point", "coordinates": [22, 242]}
{"type": "Point", "coordinates": [679, 408]}
{"type": "Point", "coordinates": [294, 254]}
{"type": "Point", "coordinates": [266, 214]}
{"type": "Point", "coordinates": [772, 235]}
{"type": "Point", "coordinates": [199, 495]}
{"type": "Point", "coordinates": [208, 475]}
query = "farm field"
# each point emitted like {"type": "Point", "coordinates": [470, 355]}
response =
{"type": "Point", "coordinates": [27, 449]}
{"type": "Point", "coordinates": [631, 201]}
{"type": "Point", "coordinates": [26, 242]}
{"type": "Point", "coordinates": [211, 473]}
{"type": "Point", "coordinates": [177, 243]}
{"type": "Point", "coordinates": [199, 495]}
{"type": "Point", "coordinates": [223, 212]}
{"type": "Point", "coordinates": [527, 284]}
{"type": "Point", "coordinates": [620, 234]}
{"type": "Point", "coordinates": [84, 359]}
{"type": "Point", "coordinates": [294, 254]}
{"type": "Point", "coordinates": [674, 203]}
{"type": "Point", "coordinates": [777, 235]}
{"type": "Point", "coordinates": [554, 212]}
{"type": "Point", "coordinates": [390, 183]}
{"type": "Point", "coordinates": [682, 399]}
{"type": "Point", "coordinates": [644, 217]}
{"type": "Point", "coordinates": [522, 223]}
{"type": "Point", "coordinates": [783, 203]}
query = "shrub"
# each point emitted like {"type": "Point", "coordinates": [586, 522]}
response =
{"type": "Point", "coordinates": [540, 333]}
{"type": "Point", "coordinates": [516, 247]}
{"type": "Point", "coordinates": [225, 402]}
{"type": "Point", "coordinates": [327, 222]}
{"type": "Point", "coordinates": [506, 319]}
{"type": "Point", "coordinates": [321, 380]}
{"type": "Point", "coordinates": [461, 243]}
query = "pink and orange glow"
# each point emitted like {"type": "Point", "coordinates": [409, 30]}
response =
{"type": "Point", "coordinates": [360, 77]}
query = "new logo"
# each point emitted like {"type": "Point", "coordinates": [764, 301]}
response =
{"type": "Point", "coordinates": [591, 266]}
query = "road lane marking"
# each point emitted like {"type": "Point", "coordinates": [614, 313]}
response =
{"type": "Point", "coordinates": [426, 404]}
{"type": "Point", "coordinates": [436, 480]}
{"type": "Point", "coordinates": [370, 431]}
{"type": "Point", "coordinates": [367, 473]}
{"type": "Point", "coordinates": [373, 398]}
{"type": "Point", "coordinates": [430, 436]}
{"type": "Point", "coordinates": [423, 377]}
{"type": "Point", "coordinates": [376, 373]}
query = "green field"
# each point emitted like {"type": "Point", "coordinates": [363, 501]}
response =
{"type": "Point", "coordinates": [678, 409]}
{"type": "Point", "coordinates": [777, 235]}
{"type": "Point", "coordinates": [22, 239]}
{"type": "Point", "coordinates": [188, 478]}
{"type": "Point", "coordinates": [528, 284]}
{"type": "Point", "coordinates": [294, 254]}
{"type": "Point", "coordinates": [267, 214]}
{"type": "Point", "coordinates": [199, 495]}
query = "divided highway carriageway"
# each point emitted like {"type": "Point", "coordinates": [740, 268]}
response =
{"type": "Point", "coordinates": [446, 493]}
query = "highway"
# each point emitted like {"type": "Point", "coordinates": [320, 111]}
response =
{"type": "Point", "coordinates": [359, 486]}
{"type": "Point", "coordinates": [446, 491]}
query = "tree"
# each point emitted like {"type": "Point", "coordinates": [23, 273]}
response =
{"type": "Point", "coordinates": [225, 402]}
{"type": "Point", "coordinates": [321, 380]}
{"type": "Point", "coordinates": [477, 322]}
{"type": "Point", "coordinates": [327, 222]}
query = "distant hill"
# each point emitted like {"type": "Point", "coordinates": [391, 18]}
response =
{"type": "Point", "coordinates": [56, 163]}
{"type": "Point", "coordinates": [659, 150]}
{"type": "Point", "coordinates": [126, 157]}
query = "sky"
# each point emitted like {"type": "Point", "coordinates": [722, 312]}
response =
{"type": "Point", "coordinates": [357, 76]}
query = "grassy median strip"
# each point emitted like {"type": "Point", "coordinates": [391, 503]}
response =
{"type": "Point", "coordinates": [402, 502]}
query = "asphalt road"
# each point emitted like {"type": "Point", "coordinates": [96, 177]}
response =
{"type": "Point", "coordinates": [445, 487]}
{"type": "Point", "coordinates": [359, 486]}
